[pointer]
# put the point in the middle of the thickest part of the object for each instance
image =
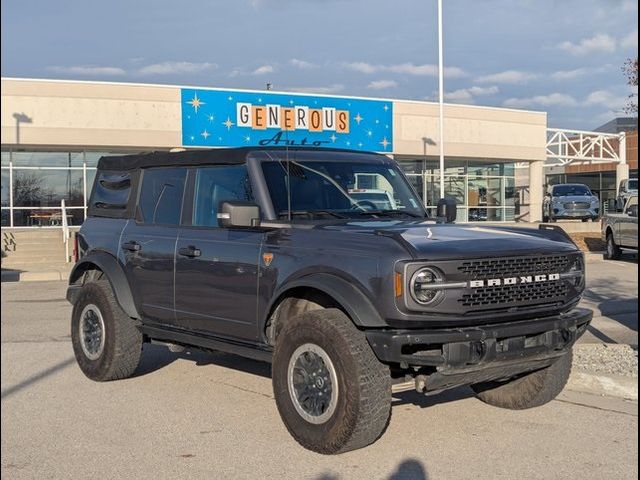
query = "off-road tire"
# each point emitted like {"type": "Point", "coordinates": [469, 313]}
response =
{"type": "Point", "coordinates": [363, 408]}
{"type": "Point", "coordinates": [122, 349]}
{"type": "Point", "coordinates": [611, 250]}
{"type": "Point", "coordinates": [530, 390]}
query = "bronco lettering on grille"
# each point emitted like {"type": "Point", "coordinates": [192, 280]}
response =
{"type": "Point", "coordinates": [496, 282]}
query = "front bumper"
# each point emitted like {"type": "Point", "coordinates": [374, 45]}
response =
{"type": "Point", "coordinates": [460, 356]}
{"type": "Point", "coordinates": [569, 213]}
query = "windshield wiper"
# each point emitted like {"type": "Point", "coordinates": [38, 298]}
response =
{"type": "Point", "coordinates": [391, 213]}
{"type": "Point", "coordinates": [328, 213]}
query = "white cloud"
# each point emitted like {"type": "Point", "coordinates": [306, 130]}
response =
{"type": "Point", "coordinates": [362, 67]}
{"type": "Point", "coordinates": [508, 76]}
{"type": "Point", "coordinates": [302, 64]}
{"type": "Point", "coordinates": [562, 75]}
{"type": "Point", "coordinates": [90, 70]}
{"type": "Point", "coordinates": [605, 98]}
{"type": "Point", "coordinates": [427, 70]}
{"type": "Point", "coordinates": [467, 94]}
{"type": "Point", "coordinates": [600, 43]}
{"type": "Point", "coordinates": [551, 100]}
{"type": "Point", "coordinates": [382, 84]}
{"type": "Point", "coordinates": [263, 70]}
{"type": "Point", "coordinates": [630, 41]}
{"type": "Point", "coordinates": [335, 88]}
{"type": "Point", "coordinates": [169, 68]}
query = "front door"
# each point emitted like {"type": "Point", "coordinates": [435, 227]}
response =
{"type": "Point", "coordinates": [148, 243]}
{"type": "Point", "coordinates": [217, 268]}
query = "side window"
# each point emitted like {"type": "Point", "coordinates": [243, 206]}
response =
{"type": "Point", "coordinates": [217, 184]}
{"type": "Point", "coordinates": [161, 195]}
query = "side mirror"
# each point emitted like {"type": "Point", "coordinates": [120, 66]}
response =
{"type": "Point", "coordinates": [447, 210]}
{"type": "Point", "coordinates": [238, 214]}
{"type": "Point", "coordinates": [632, 211]}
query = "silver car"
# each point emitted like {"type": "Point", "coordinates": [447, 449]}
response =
{"type": "Point", "coordinates": [570, 201]}
{"type": "Point", "coordinates": [627, 189]}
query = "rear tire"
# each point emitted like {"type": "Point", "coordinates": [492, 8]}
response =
{"type": "Point", "coordinates": [106, 343]}
{"type": "Point", "coordinates": [355, 409]}
{"type": "Point", "coordinates": [612, 251]}
{"type": "Point", "coordinates": [528, 391]}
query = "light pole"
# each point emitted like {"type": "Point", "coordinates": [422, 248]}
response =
{"type": "Point", "coordinates": [441, 97]}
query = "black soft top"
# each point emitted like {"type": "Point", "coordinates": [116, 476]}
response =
{"type": "Point", "coordinates": [215, 156]}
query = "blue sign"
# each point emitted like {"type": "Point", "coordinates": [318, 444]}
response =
{"type": "Point", "coordinates": [224, 118]}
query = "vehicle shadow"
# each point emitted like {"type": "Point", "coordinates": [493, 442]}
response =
{"type": "Point", "coordinates": [411, 397]}
{"type": "Point", "coordinates": [155, 357]}
{"type": "Point", "coordinates": [409, 469]}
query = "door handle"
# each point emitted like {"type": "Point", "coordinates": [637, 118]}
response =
{"type": "Point", "coordinates": [189, 251]}
{"type": "Point", "coordinates": [132, 246]}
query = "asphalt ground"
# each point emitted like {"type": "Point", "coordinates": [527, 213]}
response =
{"type": "Point", "coordinates": [212, 415]}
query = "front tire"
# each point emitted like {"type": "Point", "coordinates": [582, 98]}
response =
{"type": "Point", "coordinates": [612, 250]}
{"type": "Point", "coordinates": [528, 391]}
{"type": "Point", "coordinates": [106, 343]}
{"type": "Point", "coordinates": [332, 393]}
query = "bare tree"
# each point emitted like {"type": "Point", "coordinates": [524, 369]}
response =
{"type": "Point", "coordinates": [630, 69]}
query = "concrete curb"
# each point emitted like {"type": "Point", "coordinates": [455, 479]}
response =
{"type": "Point", "coordinates": [608, 385]}
{"type": "Point", "coordinates": [39, 276]}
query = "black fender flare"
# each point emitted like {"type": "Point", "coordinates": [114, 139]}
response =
{"type": "Point", "coordinates": [348, 296]}
{"type": "Point", "coordinates": [110, 267]}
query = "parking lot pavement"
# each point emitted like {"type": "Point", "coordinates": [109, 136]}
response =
{"type": "Point", "coordinates": [612, 293]}
{"type": "Point", "coordinates": [208, 415]}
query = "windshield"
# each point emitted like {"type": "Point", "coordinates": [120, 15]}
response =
{"type": "Point", "coordinates": [633, 184]}
{"type": "Point", "coordinates": [570, 190]}
{"type": "Point", "coordinates": [339, 189]}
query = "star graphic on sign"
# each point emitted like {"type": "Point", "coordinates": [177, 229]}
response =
{"type": "Point", "coordinates": [260, 100]}
{"type": "Point", "coordinates": [348, 143]}
{"type": "Point", "coordinates": [386, 107]}
{"type": "Point", "coordinates": [377, 121]}
{"type": "Point", "coordinates": [228, 123]}
{"type": "Point", "coordinates": [205, 134]}
{"type": "Point", "coordinates": [219, 139]}
{"type": "Point", "coordinates": [229, 98]}
{"type": "Point", "coordinates": [358, 118]}
{"type": "Point", "coordinates": [385, 143]}
{"type": "Point", "coordinates": [247, 138]}
{"type": "Point", "coordinates": [369, 133]}
{"type": "Point", "coordinates": [211, 117]}
{"type": "Point", "coordinates": [291, 102]}
{"type": "Point", "coordinates": [333, 137]}
{"type": "Point", "coordinates": [195, 102]}
{"type": "Point", "coordinates": [360, 144]}
{"type": "Point", "coordinates": [192, 138]}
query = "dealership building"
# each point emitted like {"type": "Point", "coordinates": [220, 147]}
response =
{"type": "Point", "coordinates": [497, 160]}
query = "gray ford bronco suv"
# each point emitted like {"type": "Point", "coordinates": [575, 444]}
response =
{"type": "Point", "coordinates": [265, 253]}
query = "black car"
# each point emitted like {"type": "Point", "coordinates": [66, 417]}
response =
{"type": "Point", "coordinates": [262, 252]}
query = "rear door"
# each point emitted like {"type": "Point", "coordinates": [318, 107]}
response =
{"type": "Point", "coordinates": [217, 268]}
{"type": "Point", "coordinates": [629, 226]}
{"type": "Point", "coordinates": [148, 244]}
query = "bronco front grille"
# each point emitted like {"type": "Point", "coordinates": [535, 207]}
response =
{"type": "Point", "coordinates": [508, 267]}
{"type": "Point", "coordinates": [515, 294]}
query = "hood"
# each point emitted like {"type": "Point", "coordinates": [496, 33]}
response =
{"type": "Point", "coordinates": [573, 198]}
{"type": "Point", "coordinates": [426, 240]}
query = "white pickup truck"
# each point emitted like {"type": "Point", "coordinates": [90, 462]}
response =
{"type": "Point", "coordinates": [620, 230]}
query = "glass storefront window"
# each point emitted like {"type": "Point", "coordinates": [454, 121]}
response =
{"type": "Point", "coordinates": [5, 158]}
{"type": "Point", "coordinates": [5, 187]}
{"type": "Point", "coordinates": [5, 217]}
{"type": "Point", "coordinates": [47, 159]}
{"type": "Point", "coordinates": [46, 217]}
{"type": "Point", "coordinates": [44, 188]}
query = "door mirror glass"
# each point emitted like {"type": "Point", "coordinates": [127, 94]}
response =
{"type": "Point", "coordinates": [238, 214]}
{"type": "Point", "coordinates": [632, 211]}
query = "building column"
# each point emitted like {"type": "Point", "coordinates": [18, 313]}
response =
{"type": "Point", "coordinates": [536, 190]}
{"type": "Point", "coordinates": [622, 168]}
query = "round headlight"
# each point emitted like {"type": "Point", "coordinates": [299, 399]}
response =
{"type": "Point", "coordinates": [423, 288]}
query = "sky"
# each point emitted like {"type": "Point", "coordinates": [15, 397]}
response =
{"type": "Point", "coordinates": [559, 56]}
